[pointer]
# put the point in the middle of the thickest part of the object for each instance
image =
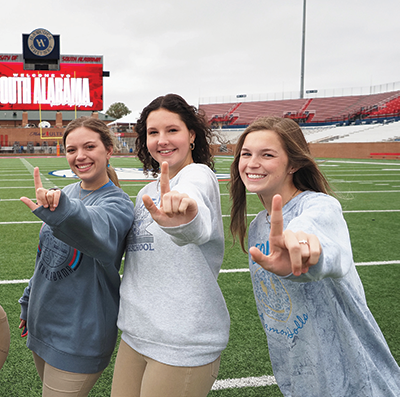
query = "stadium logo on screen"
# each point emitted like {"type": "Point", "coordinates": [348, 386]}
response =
{"type": "Point", "coordinates": [41, 42]}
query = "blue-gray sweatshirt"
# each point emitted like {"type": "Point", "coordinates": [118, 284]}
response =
{"type": "Point", "coordinates": [322, 338]}
{"type": "Point", "coordinates": [71, 302]}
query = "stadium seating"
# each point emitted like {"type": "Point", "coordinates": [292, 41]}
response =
{"type": "Point", "coordinates": [330, 110]}
{"type": "Point", "coordinates": [389, 108]}
{"type": "Point", "coordinates": [374, 132]}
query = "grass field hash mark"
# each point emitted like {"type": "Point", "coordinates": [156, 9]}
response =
{"type": "Point", "coordinates": [46, 182]}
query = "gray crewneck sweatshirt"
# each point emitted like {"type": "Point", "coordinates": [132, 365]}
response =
{"type": "Point", "coordinates": [172, 309]}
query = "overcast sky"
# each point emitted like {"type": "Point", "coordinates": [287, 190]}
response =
{"type": "Point", "coordinates": [217, 48]}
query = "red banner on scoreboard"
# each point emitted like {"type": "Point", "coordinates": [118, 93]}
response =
{"type": "Point", "coordinates": [77, 86]}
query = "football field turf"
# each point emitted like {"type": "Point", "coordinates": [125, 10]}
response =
{"type": "Point", "coordinates": [369, 191]}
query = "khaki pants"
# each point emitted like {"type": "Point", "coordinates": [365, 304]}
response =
{"type": "Point", "coordinates": [136, 375]}
{"type": "Point", "coordinates": [4, 337]}
{"type": "Point", "coordinates": [58, 383]}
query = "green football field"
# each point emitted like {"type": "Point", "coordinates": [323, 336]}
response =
{"type": "Point", "coordinates": [369, 191]}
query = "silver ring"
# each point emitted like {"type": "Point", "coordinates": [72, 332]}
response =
{"type": "Point", "coordinates": [303, 242]}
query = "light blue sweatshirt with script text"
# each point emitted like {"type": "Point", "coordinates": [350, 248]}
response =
{"type": "Point", "coordinates": [322, 337]}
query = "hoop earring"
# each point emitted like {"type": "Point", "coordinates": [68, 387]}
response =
{"type": "Point", "coordinates": [192, 146]}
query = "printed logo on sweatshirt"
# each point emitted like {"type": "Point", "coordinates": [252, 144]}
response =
{"type": "Point", "coordinates": [139, 238]}
{"type": "Point", "coordinates": [55, 259]}
{"type": "Point", "coordinates": [271, 295]}
{"type": "Point", "coordinates": [274, 304]}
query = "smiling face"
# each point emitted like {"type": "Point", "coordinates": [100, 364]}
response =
{"type": "Point", "coordinates": [168, 139]}
{"type": "Point", "coordinates": [87, 157]}
{"type": "Point", "coordinates": [264, 166]}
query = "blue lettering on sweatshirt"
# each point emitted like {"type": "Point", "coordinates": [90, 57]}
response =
{"type": "Point", "coordinates": [141, 247]}
{"type": "Point", "coordinates": [290, 333]}
{"type": "Point", "coordinates": [274, 300]}
{"type": "Point", "coordinates": [264, 248]}
{"type": "Point", "coordinates": [139, 238]}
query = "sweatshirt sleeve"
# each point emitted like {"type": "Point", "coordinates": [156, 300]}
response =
{"type": "Point", "coordinates": [197, 231]}
{"type": "Point", "coordinates": [24, 301]}
{"type": "Point", "coordinates": [95, 229]}
{"type": "Point", "coordinates": [202, 187]}
{"type": "Point", "coordinates": [322, 216]}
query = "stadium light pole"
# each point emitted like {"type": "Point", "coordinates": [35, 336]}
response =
{"type": "Point", "coordinates": [303, 50]}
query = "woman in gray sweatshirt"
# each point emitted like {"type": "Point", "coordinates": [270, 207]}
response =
{"type": "Point", "coordinates": [173, 316]}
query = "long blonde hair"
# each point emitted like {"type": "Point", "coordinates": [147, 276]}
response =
{"type": "Point", "coordinates": [308, 176]}
{"type": "Point", "coordinates": [106, 136]}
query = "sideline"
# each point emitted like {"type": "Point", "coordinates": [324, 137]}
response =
{"type": "Point", "coordinates": [240, 270]}
{"type": "Point", "coordinates": [265, 380]}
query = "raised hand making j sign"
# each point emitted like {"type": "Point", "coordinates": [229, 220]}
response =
{"type": "Point", "coordinates": [175, 208]}
{"type": "Point", "coordinates": [289, 252]}
{"type": "Point", "coordinates": [48, 198]}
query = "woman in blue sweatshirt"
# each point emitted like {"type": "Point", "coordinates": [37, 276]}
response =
{"type": "Point", "coordinates": [70, 306]}
{"type": "Point", "coordinates": [322, 338]}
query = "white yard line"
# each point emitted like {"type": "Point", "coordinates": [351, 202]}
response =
{"type": "Point", "coordinates": [346, 191]}
{"type": "Point", "coordinates": [13, 180]}
{"type": "Point", "coordinates": [237, 383]}
{"type": "Point", "coordinates": [46, 182]}
{"type": "Point", "coordinates": [19, 222]}
{"type": "Point", "coordinates": [224, 216]}
{"type": "Point", "coordinates": [241, 270]}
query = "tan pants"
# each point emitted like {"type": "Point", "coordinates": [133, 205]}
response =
{"type": "Point", "coordinates": [58, 383]}
{"type": "Point", "coordinates": [4, 337]}
{"type": "Point", "coordinates": [136, 375]}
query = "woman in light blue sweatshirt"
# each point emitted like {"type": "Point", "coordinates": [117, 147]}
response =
{"type": "Point", "coordinates": [322, 338]}
{"type": "Point", "coordinates": [173, 316]}
{"type": "Point", "coordinates": [71, 304]}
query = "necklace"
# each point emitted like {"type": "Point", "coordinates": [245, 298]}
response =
{"type": "Point", "coordinates": [80, 191]}
{"type": "Point", "coordinates": [109, 183]}
{"type": "Point", "coordinates": [291, 197]}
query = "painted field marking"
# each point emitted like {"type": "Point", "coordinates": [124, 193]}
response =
{"type": "Point", "coordinates": [46, 182]}
{"type": "Point", "coordinates": [240, 270]}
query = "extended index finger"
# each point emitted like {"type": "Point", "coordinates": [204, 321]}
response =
{"type": "Point", "coordinates": [276, 217]}
{"type": "Point", "coordinates": [36, 178]}
{"type": "Point", "coordinates": [164, 179]}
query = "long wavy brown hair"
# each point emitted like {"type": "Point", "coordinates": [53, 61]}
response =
{"type": "Point", "coordinates": [194, 119]}
{"type": "Point", "coordinates": [307, 177]}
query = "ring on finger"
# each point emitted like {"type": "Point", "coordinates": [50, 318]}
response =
{"type": "Point", "coordinates": [303, 242]}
